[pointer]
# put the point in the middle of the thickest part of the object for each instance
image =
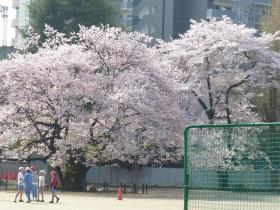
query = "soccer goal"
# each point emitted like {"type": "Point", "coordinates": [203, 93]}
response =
{"type": "Point", "coordinates": [232, 167]}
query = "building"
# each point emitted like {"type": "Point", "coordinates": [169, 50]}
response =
{"type": "Point", "coordinates": [248, 12]}
{"type": "Point", "coordinates": [163, 19]}
{"type": "Point", "coordinates": [124, 10]}
{"type": "Point", "coordinates": [22, 17]}
{"type": "Point", "coordinates": [166, 19]}
{"type": "Point", "coordinates": [5, 51]}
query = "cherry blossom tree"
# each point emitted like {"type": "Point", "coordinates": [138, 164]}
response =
{"type": "Point", "coordinates": [215, 60]}
{"type": "Point", "coordinates": [218, 62]}
{"type": "Point", "coordinates": [96, 97]}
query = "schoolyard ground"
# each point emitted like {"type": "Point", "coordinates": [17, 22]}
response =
{"type": "Point", "coordinates": [93, 201]}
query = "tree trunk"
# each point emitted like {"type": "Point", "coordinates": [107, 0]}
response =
{"type": "Point", "coordinates": [134, 177]}
{"type": "Point", "coordinates": [75, 176]}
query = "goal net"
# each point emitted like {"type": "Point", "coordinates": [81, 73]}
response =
{"type": "Point", "coordinates": [232, 167]}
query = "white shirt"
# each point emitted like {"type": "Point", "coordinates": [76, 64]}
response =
{"type": "Point", "coordinates": [41, 181]}
{"type": "Point", "coordinates": [20, 178]}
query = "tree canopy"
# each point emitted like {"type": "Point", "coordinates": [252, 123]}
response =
{"type": "Point", "coordinates": [217, 59]}
{"type": "Point", "coordinates": [101, 95]}
{"type": "Point", "coordinates": [66, 15]}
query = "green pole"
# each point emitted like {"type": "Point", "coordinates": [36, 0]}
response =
{"type": "Point", "coordinates": [186, 177]}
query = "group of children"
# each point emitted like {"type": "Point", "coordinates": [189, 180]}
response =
{"type": "Point", "coordinates": [32, 182]}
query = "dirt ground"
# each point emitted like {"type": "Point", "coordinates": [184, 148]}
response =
{"type": "Point", "coordinates": [91, 201]}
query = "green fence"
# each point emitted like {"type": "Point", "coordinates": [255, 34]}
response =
{"type": "Point", "coordinates": [232, 167]}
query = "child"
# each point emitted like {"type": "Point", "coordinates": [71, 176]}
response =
{"type": "Point", "coordinates": [28, 183]}
{"type": "Point", "coordinates": [41, 186]}
{"type": "Point", "coordinates": [20, 180]}
{"type": "Point", "coordinates": [34, 183]}
{"type": "Point", "coordinates": [54, 185]}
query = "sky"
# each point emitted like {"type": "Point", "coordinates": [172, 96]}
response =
{"type": "Point", "coordinates": [11, 16]}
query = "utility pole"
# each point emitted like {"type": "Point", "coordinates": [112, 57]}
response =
{"type": "Point", "coordinates": [4, 13]}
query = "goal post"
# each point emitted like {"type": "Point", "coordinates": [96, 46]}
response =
{"type": "Point", "coordinates": [232, 166]}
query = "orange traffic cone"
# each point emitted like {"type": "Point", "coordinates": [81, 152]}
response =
{"type": "Point", "coordinates": [120, 196]}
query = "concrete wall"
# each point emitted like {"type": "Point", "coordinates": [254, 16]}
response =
{"type": "Point", "coordinates": [172, 177]}
{"type": "Point", "coordinates": [151, 176]}
{"type": "Point", "coordinates": [13, 166]}
{"type": "Point", "coordinates": [259, 179]}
